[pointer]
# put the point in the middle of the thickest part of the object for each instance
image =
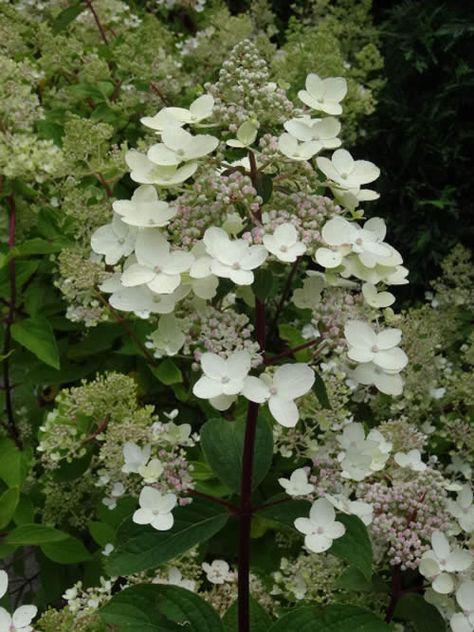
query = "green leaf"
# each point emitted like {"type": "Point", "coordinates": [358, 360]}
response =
{"type": "Point", "coordinates": [294, 338]}
{"type": "Point", "coordinates": [222, 442]}
{"type": "Point", "coordinates": [67, 551]}
{"type": "Point", "coordinates": [37, 335]}
{"type": "Point", "coordinates": [14, 464]}
{"type": "Point", "coordinates": [422, 615]}
{"type": "Point", "coordinates": [8, 504]}
{"type": "Point", "coordinates": [264, 186]}
{"type": "Point", "coordinates": [263, 284]}
{"type": "Point", "coordinates": [285, 512]}
{"type": "Point", "coordinates": [320, 391]}
{"type": "Point", "coordinates": [38, 246]}
{"type": "Point", "coordinates": [160, 608]}
{"type": "Point", "coordinates": [102, 533]}
{"type": "Point", "coordinates": [260, 621]}
{"type": "Point", "coordinates": [168, 373]}
{"type": "Point", "coordinates": [354, 580]}
{"type": "Point", "coordinates": [354, 546]}
{"type": "Point", "coordinates": [64, 18]}
{"type": "Point", "coordinates": [34, 534]}
{"type": "Point", "coordinates": [25, 511]}
{"type": "Point", "coordinates": [140, 548]}
{"type": "Point", "coordinates": [335, 618]}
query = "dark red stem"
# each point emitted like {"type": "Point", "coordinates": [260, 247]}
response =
{"type": "Point", "coordinates": [246, 510]}
{"type": "Point", "coordinates": [7, 385]}
{"type": "Point", "coordinates": [396, 593]}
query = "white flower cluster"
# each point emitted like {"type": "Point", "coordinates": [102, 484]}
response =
{"type": "Point", "coordinates": [152, 274]}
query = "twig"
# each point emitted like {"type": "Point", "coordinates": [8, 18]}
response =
{"type": "Point", "coordinates": [219, 501]}
{"type": "Point", "coordinates": [11, 425]}
{"type": "Point", "coordinates": [97, 21]}
{"type": "Point", "coordinates": [100, 428]}
{"type": "Point", "coordinates": [105, 184]}
{"type": "Point", "coordinates": [290, 352]}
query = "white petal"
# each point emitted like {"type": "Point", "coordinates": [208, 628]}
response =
{"type": "Point", "coordinates": [391, 359]}
{"type": "Point", "coordinates": [359, 334]}
{"type": "Point", "coordinates": [162, 522]}
{"type": "Point", "coordinates": [465, 595]}
{"type": "Point", "coordinates": [388, 384]}
{"type": "Point", "coordinates": [213, 365]}
{"type": "Point", "coordinates": [443, 584]}
{"type": "Point", "coordinates": [328, 258]}
{"type": "Point", "coordinates": [337, 231]}
{"type": "Point", "coordinates": [24, 615]}
{"type": "Point", "coordinates": [293, 380]}
{"type": "Point", "coordinates": [317, 543]}
{"type": "Point", "coordinates": [238, 364]}
{"type": "Point", "coordinates": [459, 560]}
{"type": "Point", "coordinates": [255, 389]}
{"type": "Point", "coordinates": [3, 583]}
{"type": "Point", "coordinates": [389, 338]}
{"type": "Point", "coordinates": [284, 411]}
{"type": "Point", "coordinates": [136, 274]}
{"type": "Point", "coordinates": [304, 525]}
{"type": "Point", "coordinates": [5, 620]}
{"type": "Point", "coordinates": [322, 512]}
{"type": "Point", "coordinates": [206, 388]}
{"type": "Point", "coordinates": [142, 516]}
{"type": "Point", "coordinates": [440, 545]}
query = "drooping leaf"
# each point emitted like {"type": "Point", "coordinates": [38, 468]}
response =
{"type": "Point", "coordinates": [222, 442]}
{"type": "Point", "coordinates": [335, 618]}
{"type": "Point", "coordinates": [421, 614]}
{"type": "Point", "coordinates": [160, 608]}
{"type": "Point", "coordinates": [354, 546]}
{"type": "Point", "coordinates": [37, 335]}
{"type": "Point", "coordinates": [141, 547]}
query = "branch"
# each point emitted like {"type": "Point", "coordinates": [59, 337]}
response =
{"type": "Point", "coordinates": [219, 501]}
{"type": "Point", "coordinates": [289, 352]}
{"type": "Point", "coordinates": [97, 21]}
{"type": "Point", "coordinates": [7, 385]}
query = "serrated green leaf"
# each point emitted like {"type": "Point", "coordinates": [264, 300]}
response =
{"type": "Point", "coordinates": [160, 608]}
{"type": "Point", "coordinates": [141, 548]}
{"type": "Point", "coordinates": [37, 335]}
{"type": "Point", "coordinates": [222, 442]}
